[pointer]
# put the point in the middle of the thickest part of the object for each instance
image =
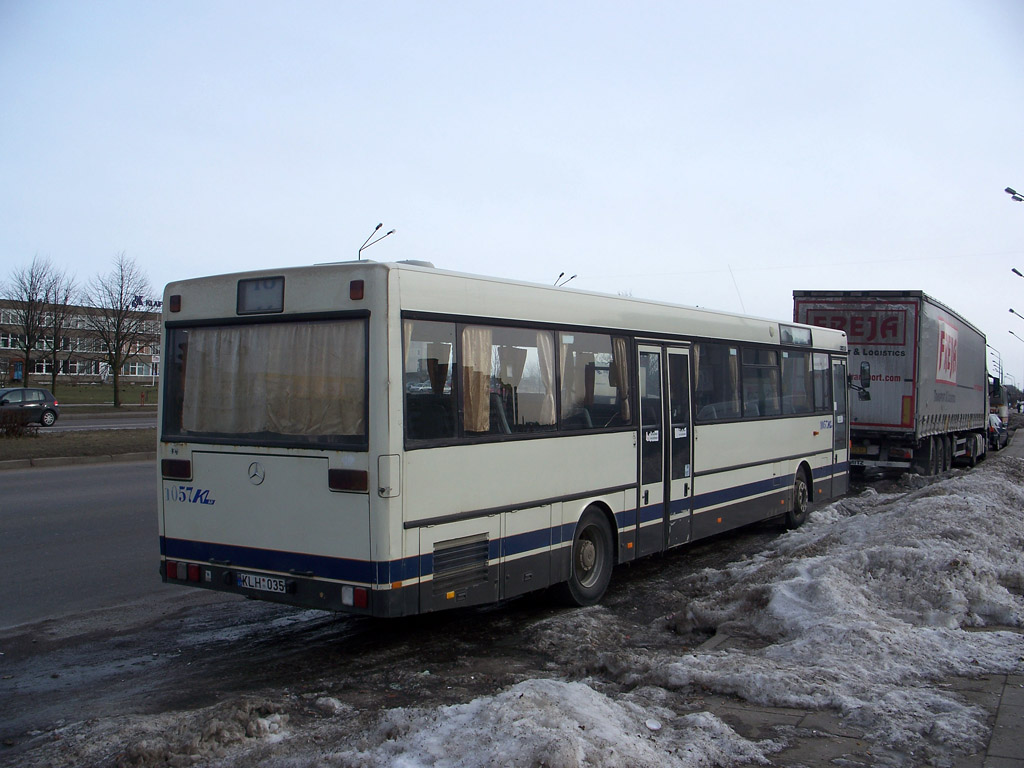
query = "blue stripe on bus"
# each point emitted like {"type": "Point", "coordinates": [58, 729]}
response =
{"type": "Point", "coordinates": [738, 492]}
{"type": "Point", "coordinates": [417, 566]}
{"type": "Point", "coordinates": [342, 569]}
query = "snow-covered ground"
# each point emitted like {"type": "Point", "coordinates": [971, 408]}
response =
{"type": "Point", "coordinates": [862, 613]}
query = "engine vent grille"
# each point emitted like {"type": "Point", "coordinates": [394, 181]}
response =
{"type": "Point", "coordinates": [460, 563]}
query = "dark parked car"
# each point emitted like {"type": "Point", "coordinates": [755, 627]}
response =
{"type": "Point", "coordinates": [28, 405]}
{"type": "Point", "coordinates": [997, 434]}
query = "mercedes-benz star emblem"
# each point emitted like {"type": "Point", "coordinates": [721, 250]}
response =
{"type": "Point", "coordinates": [256, 473]}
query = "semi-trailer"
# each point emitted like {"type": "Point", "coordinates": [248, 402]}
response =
{"type": "Point", "coordinates": [926, 401]}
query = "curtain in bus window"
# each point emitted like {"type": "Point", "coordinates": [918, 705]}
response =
{"type": "Point", "coordinates": [476, 375]}
{"type": "Point", "coordinates": [620, 375]}
{"type": "Point", "coordinates": [295, 379]}
{"type": "Point", "coordinates": [546, 358]}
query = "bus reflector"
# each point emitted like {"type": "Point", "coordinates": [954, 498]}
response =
{"type": "Point", "coordinates": [193, 572]}
{"type": "Point", "coordinates": [348, 480]}
{"type": "Point", "coordinates": [176, 469]}
{"type": "Point", "coordinates": [171, 568]}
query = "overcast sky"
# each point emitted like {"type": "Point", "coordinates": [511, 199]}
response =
{"type": "Point", "coordinates": [717, 154]}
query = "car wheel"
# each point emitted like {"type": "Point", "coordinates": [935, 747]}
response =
{"type": "Point", "coordinates": [48, 418]}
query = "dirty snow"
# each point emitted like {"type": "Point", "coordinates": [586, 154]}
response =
{"type": "Point", "coordinates": [862, 613]}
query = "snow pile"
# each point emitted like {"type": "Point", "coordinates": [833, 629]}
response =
{"type": "Point", "coordinates": [555, 724]}
{"type": "Point", "coordinates": [868, 605]}
{"type": "Point", "coordinates": [199, 737]}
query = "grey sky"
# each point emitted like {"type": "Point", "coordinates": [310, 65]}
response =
{"type": "Point", "coordinates": [718, 154]}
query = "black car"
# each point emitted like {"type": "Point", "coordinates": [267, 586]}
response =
{"type": "Point", "coordinates": [997, 433]}
{"type": "Point", "coordinates": [29, 405]}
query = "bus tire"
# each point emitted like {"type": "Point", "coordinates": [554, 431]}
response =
{"type": "Point", "coordinates": [801, 502]}
{"type": "Point", "coordinates": [590, 560]}
{"type": "Point", "coordinates": [940, 454]}
{"type": "Point", "coordinates": [947, 446]}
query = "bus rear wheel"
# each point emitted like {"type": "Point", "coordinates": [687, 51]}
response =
{"type": "Point", "coordinates": [592, 558]}
{"type": "Point", "coordinates": [801, 504]}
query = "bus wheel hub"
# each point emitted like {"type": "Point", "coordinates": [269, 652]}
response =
{"type": "Point", "coordinates": [587, 555]}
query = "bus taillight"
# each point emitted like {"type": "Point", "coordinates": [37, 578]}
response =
{"type": "Point", "coordinates": [348, 480]}
{"type": "Point", "coordinates": [182, 571]}
{"type": "Point", "coordinates": [176, 469]}
{"type": "Point", "coordinates": [355, 597]}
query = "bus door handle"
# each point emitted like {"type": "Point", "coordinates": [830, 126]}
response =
{"type": "Point", "coordinates": [646, 493]}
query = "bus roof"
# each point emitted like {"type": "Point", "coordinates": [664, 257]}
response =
{"type": "Point", "coordinates": [425, 289]}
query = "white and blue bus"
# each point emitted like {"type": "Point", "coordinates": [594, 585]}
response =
{"type": "Point", "coordinates": [394, 439]}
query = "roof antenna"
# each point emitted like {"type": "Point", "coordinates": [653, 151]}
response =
{"type": "Point", "coordinates": [560, 284]}
{"type": "Point", "coordinates": [366, 243]}
{"type": "Point", "coordinates": [737, 287]}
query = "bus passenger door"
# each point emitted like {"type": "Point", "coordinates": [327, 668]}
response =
{"type": "Point", "coordinates": [840, 429]}
{"type": "Point", "coordinates": [650, 505]}
{"type": "Point", "coordinates": [680, 448]}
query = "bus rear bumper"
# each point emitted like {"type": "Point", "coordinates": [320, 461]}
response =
{"type": "Point", "coordinates": [300, 591]}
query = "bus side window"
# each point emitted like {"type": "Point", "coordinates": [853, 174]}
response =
{"type": "Point", "coordinates": [716, 368]}
{"type": "Point", "coordinates": [595, 376]}
{"type": "Point", "coordinates": [429, 403]}
{"type": "Point", "coordinates": [797, 387]}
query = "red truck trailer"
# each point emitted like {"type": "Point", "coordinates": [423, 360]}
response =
{"type": "Point", "coordinates": [928, 392]}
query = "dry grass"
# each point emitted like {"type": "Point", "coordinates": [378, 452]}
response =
{"type": "Point", "coordinates": [101, 442]}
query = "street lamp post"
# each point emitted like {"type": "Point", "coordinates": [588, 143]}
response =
{"type": "Point", "coordinates": [999, 359]}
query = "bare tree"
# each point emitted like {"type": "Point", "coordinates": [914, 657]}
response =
{"type": "Point", "coordinates": [59, 296]}
{"type": "Point", "coordinates": [27, 291]}
{"type": "Point", "coordinates": [116, 319]}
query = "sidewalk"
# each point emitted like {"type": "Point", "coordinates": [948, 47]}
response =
{"type": "Point", "coordinates": [819, 738]}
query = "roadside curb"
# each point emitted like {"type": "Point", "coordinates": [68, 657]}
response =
{"type": "Point", "coordinates": [67, 415]}
{"type": "Point", "coordinates": [63, 461]}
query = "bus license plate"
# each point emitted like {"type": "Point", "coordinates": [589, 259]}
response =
{"type": "Point", "coordinates": [262, 583]}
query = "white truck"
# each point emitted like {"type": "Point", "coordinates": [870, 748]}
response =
{"type": "Point", "coordinates": [925, 403]}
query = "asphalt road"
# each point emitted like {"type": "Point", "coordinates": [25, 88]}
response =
{"type": "Point", "coordinates": [77, 538]}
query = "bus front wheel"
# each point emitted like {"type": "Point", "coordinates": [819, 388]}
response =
{"type": "Point", "coordinates": [592, 558]}
{"type": "Point", "coordinates": [797, 514]}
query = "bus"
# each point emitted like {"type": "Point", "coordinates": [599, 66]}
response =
{"type": "Point", "coordinates": [391, 439]}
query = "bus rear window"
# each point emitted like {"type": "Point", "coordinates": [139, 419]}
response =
{"type": "Point", "coordinates": [269, 383]}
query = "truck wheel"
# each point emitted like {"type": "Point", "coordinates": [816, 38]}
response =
{"type": "Point", "coordinates": [947, 452]}
{"type": "Point", "coordinates": [926, 465]}
{"type": "Point", "coordinates": [797, 514]}
{"type": "Point", "coordinates": [939, 446]}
